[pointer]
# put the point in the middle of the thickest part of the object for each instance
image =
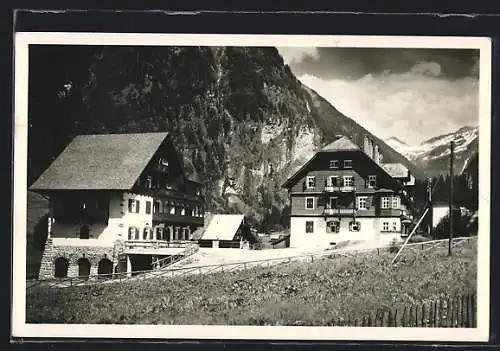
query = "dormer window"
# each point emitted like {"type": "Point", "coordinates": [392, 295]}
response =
{"type": "Point", "coordinates": [149, 182]}
{"type": "Point", "coordinates": [163, 162]}
{"type": "Point", "coordinates": [334, 164]}
{"type": "Point", "coordinates": [372, 181]}
{"type": "Point", "coordinates": [347, 164]}
{"type": "Point", "coordinates": [311, 182]}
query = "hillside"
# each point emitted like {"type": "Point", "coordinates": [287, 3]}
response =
{"type": "Point", "coordinates": [318, 293]}
{"type": "Point", "coordinates": [239, 116]}
{"type": "Point", "coordinates": [36, 232]}
{"type": "Point", "coordinates": [433, 154]}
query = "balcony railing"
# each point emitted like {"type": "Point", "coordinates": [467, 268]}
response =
{"type": "Point", "coordinates": [337, 211]}
{"type": "Point", "coordinates": [155, 244]}
{"type": "Point", "coordinates": [339, 188]}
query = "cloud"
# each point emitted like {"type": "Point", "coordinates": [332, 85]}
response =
{"type": "Point", "coordinates": [427, 68]}
{"type": "Point", "coordinates": [293, 55]}
{"type": "Point", "coordinates": [355, 63]}
{"type": "Point", "coordinates": [414, 106]}
{"type": "Point", "coordinates": [413, 94]}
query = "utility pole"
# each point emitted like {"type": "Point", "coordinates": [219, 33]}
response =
{"type": "Point", "coordinates": [450, 197]}
{"type": "Point", "coordinates": [429, 202]}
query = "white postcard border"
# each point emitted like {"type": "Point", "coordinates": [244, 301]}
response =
{"type": "Point", "coordinates": [22, 329]}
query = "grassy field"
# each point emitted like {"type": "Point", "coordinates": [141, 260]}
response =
{"type": "Point", "coordinates": [297, 293]}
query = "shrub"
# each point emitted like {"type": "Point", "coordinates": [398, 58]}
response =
{"type": "Point", "coordinates": [393, 247]}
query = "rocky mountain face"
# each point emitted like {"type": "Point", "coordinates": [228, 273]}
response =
{"type": "Point", "coordinates": [433, 154]}
{"type": "Point", "coordinates": [239, 117]}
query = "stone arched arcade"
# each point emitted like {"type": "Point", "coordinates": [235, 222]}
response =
{"type": "Point", "coordinates": [66, 261]}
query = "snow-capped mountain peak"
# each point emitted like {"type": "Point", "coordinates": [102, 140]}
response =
{"type": "Point", "coordinates": [434, 150]}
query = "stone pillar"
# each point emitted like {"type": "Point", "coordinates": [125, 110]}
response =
{"type": "Point", "coordinates": [171, 232]}
{"type": "Point", "coordinates": [93, 270]}
{"type": "Point", "coordinates": [129, 266]}
{"type": "Point", "coordinates": [73, 268]}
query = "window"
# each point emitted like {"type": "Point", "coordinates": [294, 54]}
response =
{"type": "Point", "coordinates": [347, 163]}
{"type": "Point", "coordinates": [183, 212]}
{"type": "Point", "coordinates": [372, 181]}
{"type": "Point", "coordinates": [157, 207]}
{"type": "Point", "coordinates": [147, 233]}
{"type": "Point", "coordinates": [133, 206]}
{"type": "Point", "coordinates": [386, 202]}
{"type": "Point", "coordinates": [332, 181]}
{"type": "Point", "coordinates": [394, 226]}
{"type": "Point", "coordinates": [332, 226]}
{"type": "Point", "coordinates": [362, 203]}
{"type": "Point", "coordinates": [348, 181]}
{"type": "Point", "coordinates": [159, 233]}
{"type": "Point", "coordinates": [310, 203]}
{"type": "Point", "coordinates": [309, 227]}
{"type": "Point", "coordinates": [332, 202]}
{"type": "Point", "coordinates": [354, 226]}
{"type": "Point", "coordinates": [148, 207]}
{"type": "Point", "coordinates": [163, 162]}
{"type": "Point", "coordinates": [148, 182]}
{"type": "Point", "coordinates": [395, 202]}
{"type": "Point", "coordinates": [385, 226]}
{"type": "Point", "coordinates": [334, 164]}
{"type": "Point", "coordinates": [311, 182]}
{"type": "Point", "coordinates": [133, 233]}
{"type": "Point", "coordinates": [84, 232]}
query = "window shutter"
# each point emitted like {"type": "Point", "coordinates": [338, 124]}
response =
{"type": "Point", "coordinates": [137, 206]}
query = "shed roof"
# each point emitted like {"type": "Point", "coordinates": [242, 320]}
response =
{"type": "Point", "coordinates": [223, 227]}
{"type": "Point", "coordinates": [101, 161]}
{"type": "Point", "coordinates": [395, 170]}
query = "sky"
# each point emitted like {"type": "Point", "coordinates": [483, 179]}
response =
{"type": "Point", "coordinates": [413, 94]}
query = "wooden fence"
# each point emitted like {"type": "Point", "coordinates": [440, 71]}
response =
{"type": "Point", "coordinates": [169, 271]}
{"type": "Point", "coordinates": [452, 312]}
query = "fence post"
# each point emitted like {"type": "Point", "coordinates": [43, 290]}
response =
{"type": "Point", "coordinates": [422, 316]}
{"type": "Point", "coordinates": [462, 311]}
{"type": "Point", "coordinates": [415, 308]}
{"type": "Point", "coordinates": [404, 318]}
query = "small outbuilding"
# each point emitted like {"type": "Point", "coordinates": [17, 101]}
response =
{"type": "Point", "coordinates": [227, 231]}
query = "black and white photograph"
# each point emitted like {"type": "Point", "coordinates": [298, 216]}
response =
{"type": "Point", "coordinates": [252, 186]}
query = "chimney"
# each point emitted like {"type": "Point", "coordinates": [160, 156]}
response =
{"type": "Point", "coordinates": [376, 155]}
{"type": "Point", "coordinates": [367, 147]}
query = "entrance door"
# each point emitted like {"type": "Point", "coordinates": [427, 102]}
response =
{"type": "Point", "coordinates": [83, 268]}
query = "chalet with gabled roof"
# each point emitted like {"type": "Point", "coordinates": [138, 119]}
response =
{"type": "Point", "coordinates": [118, 203]}
{"type": "Point", "coordinates": [345, 193]}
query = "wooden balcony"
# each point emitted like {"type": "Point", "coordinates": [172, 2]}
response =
{"type": "Point", "coordinates": [338, 211]}
{"type": "Point", "coordinates": [341, 189]}
{"type": "Point", "coordinates": [177, 218]}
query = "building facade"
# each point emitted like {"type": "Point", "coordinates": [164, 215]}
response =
{"type": "Point", "coordinates": [344, 194]}
{"type": "Point", "coordinates": [118, 203]}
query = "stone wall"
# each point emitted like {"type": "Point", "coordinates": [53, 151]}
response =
{"type": "Point", "coordinates": [73, 254]}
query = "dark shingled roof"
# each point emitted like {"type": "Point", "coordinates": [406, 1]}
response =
{"type": "Point", "coordinates": [105, 161]}
{"type": "Point", "coordinates": [341, 144]}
